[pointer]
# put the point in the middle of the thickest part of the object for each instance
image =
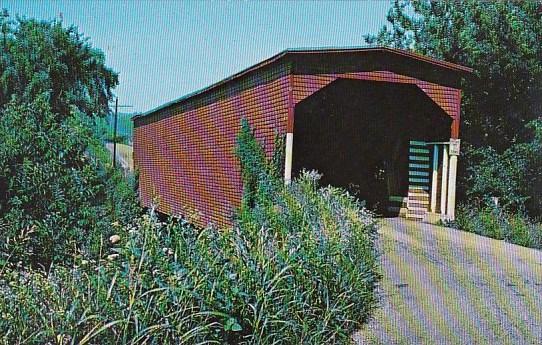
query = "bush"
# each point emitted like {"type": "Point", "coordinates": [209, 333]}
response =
{"type": "Point", "coordinates": [56, 197]}
{"type": "Point", "coordinates": [514, 176]}
{"type": "Point", "coordinates": [307, 275]}
{"type": "Point", "coordinates": [310, 248]}
{"type": "Point", "coordinates": [134, 292]}
{"type": "Point", "coordinates": [298, 266]}
{"type": "Point", "coordinates": [495, 222]}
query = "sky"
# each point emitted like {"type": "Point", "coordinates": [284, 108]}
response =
{"type": "Point", "coordinates": [166, 49]}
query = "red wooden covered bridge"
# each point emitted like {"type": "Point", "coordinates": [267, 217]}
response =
{"type": "Point", "coordinates": [381, 122]}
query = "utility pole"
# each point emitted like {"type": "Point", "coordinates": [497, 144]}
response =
{"type": "Point", "coordinates": [115, 130]}
{"type": "Point", "coordinates": [115, 134]}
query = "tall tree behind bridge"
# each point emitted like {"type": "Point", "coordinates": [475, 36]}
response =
{"type": "Point", "coordinates": [499, 39]}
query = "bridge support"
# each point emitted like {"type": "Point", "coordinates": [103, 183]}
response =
{"type": "Point", "coordinates": [288, 158]}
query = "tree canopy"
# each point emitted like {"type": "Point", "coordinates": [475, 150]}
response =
{"type": "Point", "coordinates": [56, 196]}
{"type": "Point", "coordinates": [499, 39]}
{"type": "Point", "coordinates": [42, 57]}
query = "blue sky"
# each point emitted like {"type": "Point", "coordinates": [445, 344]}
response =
{"type": "Point", "coordinates": [164, 50]}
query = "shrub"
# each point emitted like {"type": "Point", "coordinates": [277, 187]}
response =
{"type": "Point", "coordinates": [317, 248]}
{"type": "Point", "coordinates": [311, 248]}
{"type": "Point", "coordinates": [298, 266]}
{"type": "Point", "coordinates": [56, 197]}
{"type": "Point", "coordinates": [144, 294]}
{"type": "Point", "coordinates": [307, 275]}
{"type": "Point", "coordinates": [514, 176]}
{"type": "Point", "coordinates": [495, 222]}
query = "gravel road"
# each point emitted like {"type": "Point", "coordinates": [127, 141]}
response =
{"type": "Point", "coordinates": [444, 286]}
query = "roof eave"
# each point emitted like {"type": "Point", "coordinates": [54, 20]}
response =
{"type": "Point", "coordinates": [274, 58]}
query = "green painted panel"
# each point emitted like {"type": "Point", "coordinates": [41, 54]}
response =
{"type": "Point", "coordinates": [418, 173]}
{"type": "Point", "coordinates": [415, 150]}
{"type": "Point", "coordinates": [419, 158]}
{"type": "Point", "coordinates": [397, 198]}
{"type": "Point", "coordinates": [418, 165]}
{"type": "Point", "coordinates": [417, 143]}
{"type": "Point", "coordinates": [418, 180]}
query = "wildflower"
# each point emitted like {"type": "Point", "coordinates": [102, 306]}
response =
{"type": "Point", "coordinates": [114, 239]}
{"type": "Point", "coordinates": [112, 257]}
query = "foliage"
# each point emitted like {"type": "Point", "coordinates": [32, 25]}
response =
{"type": "Point", "coordinates": [495, 222]}
{"type": "Point", "coordinates": [514, 176]}
{"type": "Point", "coordinates": [499, 39]}
{"type": "Point", "coordinates": [136, 291]}
{"type": "Point", "coordinates": [254, 166]}
{"type": "Point", "coordinates": [57, 196]}
{"type": "Point", "coordinates": [44, 57]}
{"type": "Point", "coordinates": [316, 245]}
{"type": "Point", "coordinates": [104, 128]}
{"type": "Point", "coordinates": [53, 199]}
{"type": "Point", "coordinates": [298, 266]}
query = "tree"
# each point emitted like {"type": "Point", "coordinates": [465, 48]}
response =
{"type": "Point", "coordinates": [51, 194]}
{"type": "Point", "coordinates": [40, 57]}
{"type": "Point", "coordinates": [499, 39]}
{"type": "Point", "coordinates": [513, 176]}
{"type": "Point", "coordinates": [55, 195]}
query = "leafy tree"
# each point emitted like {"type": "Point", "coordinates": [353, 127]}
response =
{"type": "Point", "coordinates": [499, 39]}
{"type": "Point", "coordinates": [40, 57]}
{"type": "Point", "coordinates": [56, 196]}
{"type": "Point", "coordinates": [514, 176]}
{"type": "Point", "coordinates": [51, 189]}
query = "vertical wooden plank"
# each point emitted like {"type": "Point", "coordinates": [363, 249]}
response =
{"type": "Point", "coordinates": [288, 157]}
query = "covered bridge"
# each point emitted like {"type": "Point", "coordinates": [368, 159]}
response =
{"type": "Point", "coordinates": [381, 122]}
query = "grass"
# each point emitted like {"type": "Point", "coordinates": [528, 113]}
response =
{"type": "Point", "coordinates": [309, 279]}
{"type": "Point", "coordinates": [297, 266]}
{"type": "Point", "coordinates": [455, 287]}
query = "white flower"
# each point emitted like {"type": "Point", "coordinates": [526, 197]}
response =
{"type": "Point", "coordinates": [114, 239]}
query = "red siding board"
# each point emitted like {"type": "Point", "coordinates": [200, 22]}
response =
{"type": "Point", "coordinates": [445, 97]}
{"type": "Point", "coordinates": [189, 159]}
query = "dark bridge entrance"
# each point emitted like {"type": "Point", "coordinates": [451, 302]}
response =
{"type": "Point", "coordinates": [357, 133]}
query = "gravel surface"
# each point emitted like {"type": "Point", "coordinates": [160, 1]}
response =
{"type": "Point", "coordinates": [444, 286]}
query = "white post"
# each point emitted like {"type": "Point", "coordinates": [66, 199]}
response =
{"type": "Point", "coordinates": [444, 184]}
{"type": "Point", "coordinates": [288, 158]}
{"type": "Point", "coordinates": [451, 188]}
{"type": "Point", "coordinates": [454, 152]}
{"type": "Point", "coordinates": [434, 180]}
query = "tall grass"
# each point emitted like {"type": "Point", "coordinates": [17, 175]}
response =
{"type": "Point", "coordinates": [496, 222]}
{"type": "Point", "coordinates": [298, 266]}
{"type": "Point", "coordinates": [134, 297]}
